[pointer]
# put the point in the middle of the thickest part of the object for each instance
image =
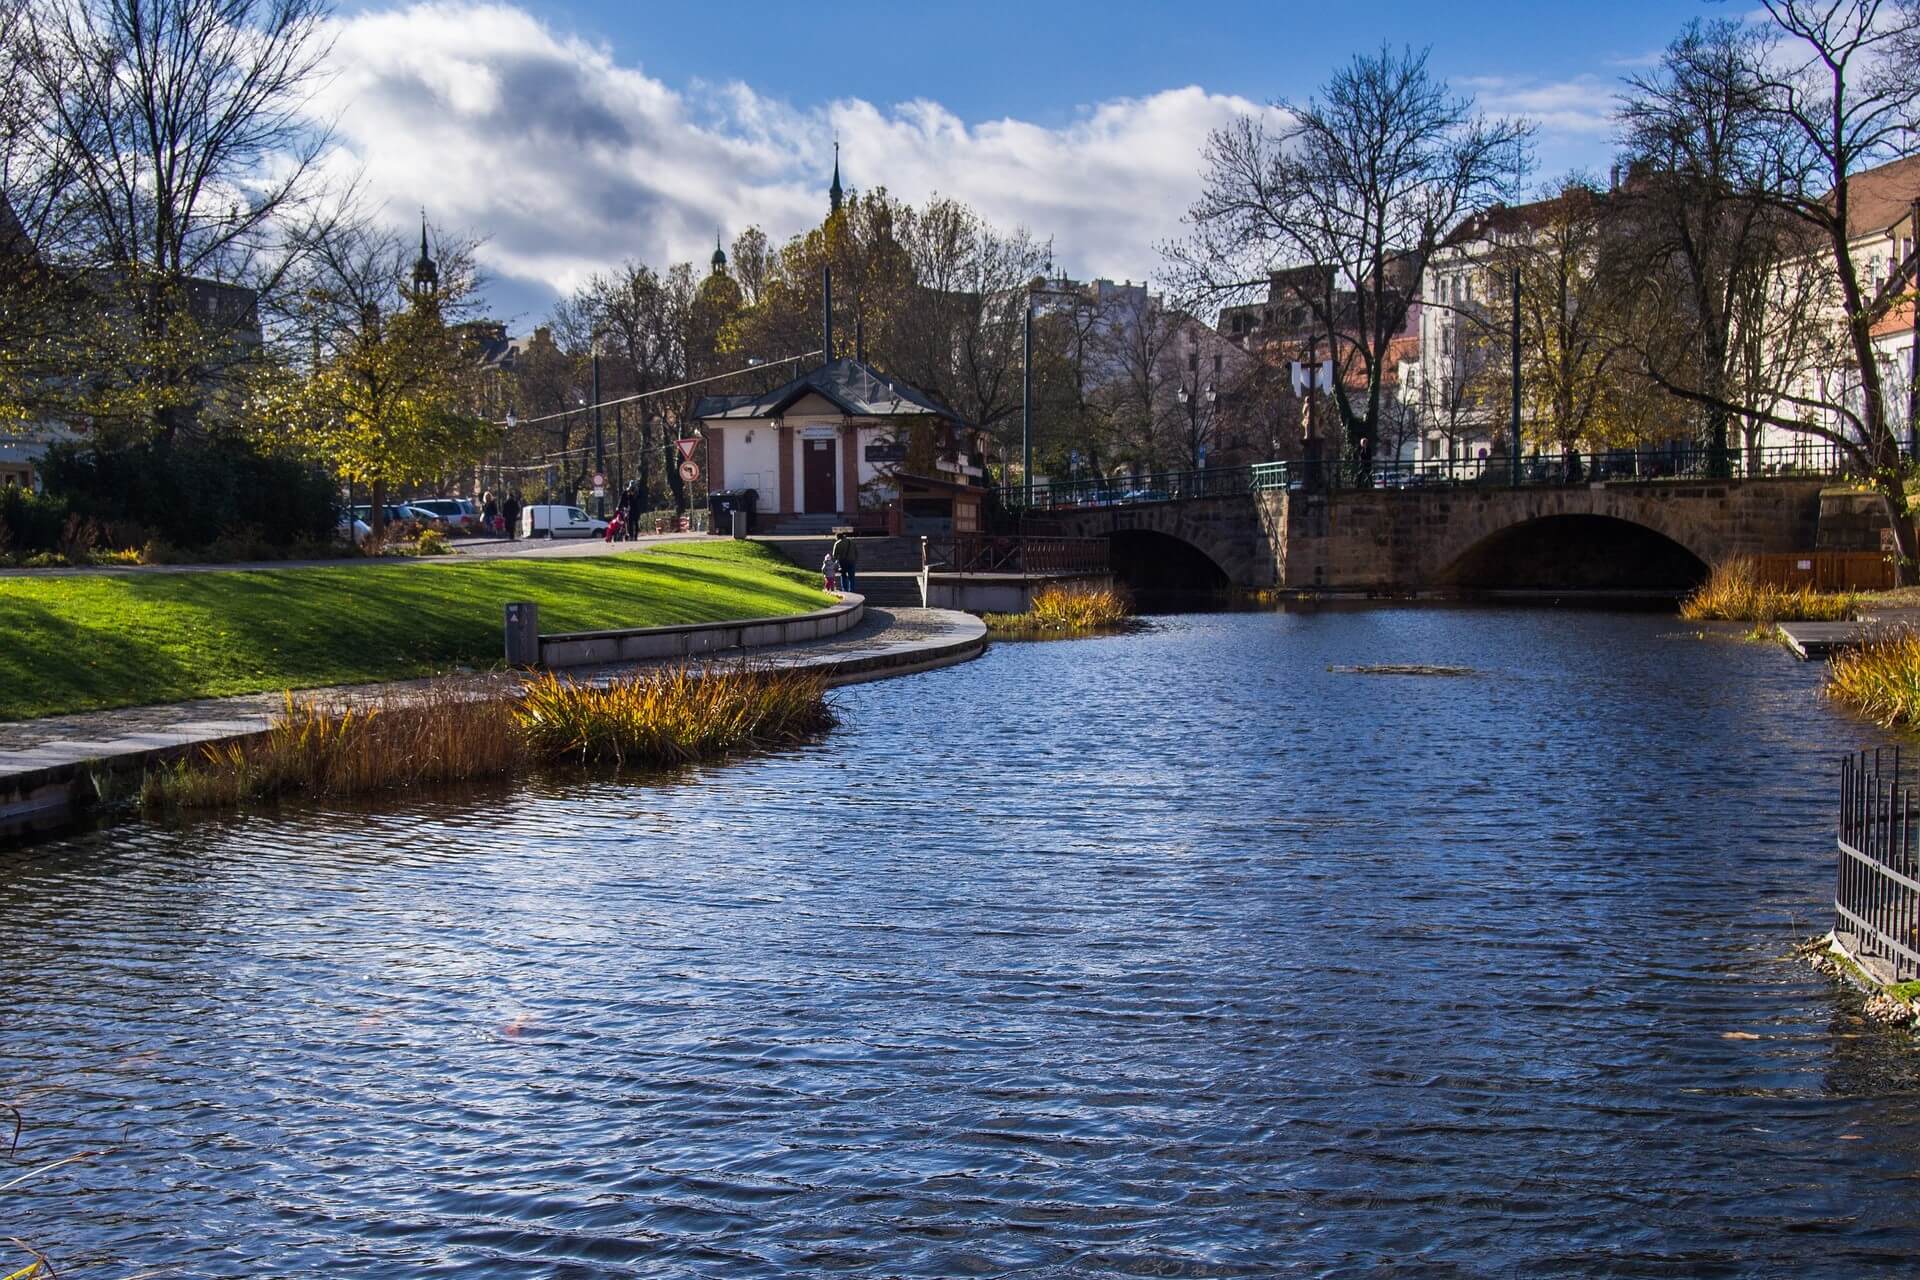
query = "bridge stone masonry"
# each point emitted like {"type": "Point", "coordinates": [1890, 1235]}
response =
{"type": "Point", "coordinates": [1630, 535]}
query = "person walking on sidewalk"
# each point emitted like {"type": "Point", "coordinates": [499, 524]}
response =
{"type": "Point", "coordinates": [845, 555]}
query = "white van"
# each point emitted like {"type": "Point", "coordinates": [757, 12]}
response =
{"type": "Point", "coordinates": [559, 522]}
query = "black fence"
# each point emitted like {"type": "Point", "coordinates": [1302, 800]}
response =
{"type": "Point", "coordinates": [1676, 463]}
{"type": "Point", "coordinates": [1876, 895]}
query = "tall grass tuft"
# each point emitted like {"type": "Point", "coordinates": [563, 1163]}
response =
{"type": "Point", "coordinates": [674, 716]}
{"type": "Point", "coordinates": [442, 733]}
{"type": "Point", "coordinates": [1065, 611]}
{"type": "Point", "coordinates": [1734, 593]}
{"type": "Point", "coordinates": [1880, 678]}
{"type": "Point", "coordinates": [457, 733]}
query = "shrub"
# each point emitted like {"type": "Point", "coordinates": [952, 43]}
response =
{"type": "Point", "coordinates": [191, 493]}
{"type": "Point", "coordinates": [1062, 611]}
{"type": "Point", "coordinates": [1880, 678]}
{"type": "Point", "coordinates": [33, 521]}
{"type": "Point", "coordinates": [432, 542]}
{"type": "Point", "coordinates": [1733, 593]}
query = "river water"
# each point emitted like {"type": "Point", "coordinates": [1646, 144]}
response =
{"type": "Point", "coordinates": [1171, 954]}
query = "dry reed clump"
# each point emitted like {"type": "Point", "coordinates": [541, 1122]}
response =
{"type": "Point", "coordinates": [1733, 593]}
{"type": "Point", "coordinates": [463, 732]}
{"type": "Point", "coordinates": [1062, 611]}
{"type": "Point", "coordinates": [442, 733]}
{"type": "Point", "coordinates": [672, 717]}
{"type": "Point", "coordinates": [1880, 678]}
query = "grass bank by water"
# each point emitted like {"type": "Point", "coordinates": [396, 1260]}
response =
{"type": "Point", "coordinates": [88, 642]}
{"type": "Point", "coordinates": [454, 733]}
{"type": "Point", "coordinates": [1063, 611]}
{"type": "Point", "coordinates": [1880, 678]}
{"type": "Point", "coordinates": [1732, 593]}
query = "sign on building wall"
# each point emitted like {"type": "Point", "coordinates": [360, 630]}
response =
{"type": "Point", "coordinates": [886, 451]}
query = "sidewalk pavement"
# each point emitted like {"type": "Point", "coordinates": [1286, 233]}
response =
{"type": "Point", "coordinates": [466, 552]}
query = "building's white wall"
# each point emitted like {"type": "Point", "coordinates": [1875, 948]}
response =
{"type": "Point", "coordinates": [752, 460]}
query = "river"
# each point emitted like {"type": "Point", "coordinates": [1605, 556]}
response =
{"type": "Point", "coordinates": [1168, 954]}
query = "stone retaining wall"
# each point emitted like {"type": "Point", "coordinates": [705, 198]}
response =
{"type": "Point", "coordinates": [692, 640]}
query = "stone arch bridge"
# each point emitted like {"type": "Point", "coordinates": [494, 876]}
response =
{"type": "Point", "coordinates": [1620, 535]}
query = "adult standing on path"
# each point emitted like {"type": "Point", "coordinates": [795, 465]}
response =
{"type": "Point", "coordinates": [843, 551]}
{"type": "Point", "coordinates": [511, 510]}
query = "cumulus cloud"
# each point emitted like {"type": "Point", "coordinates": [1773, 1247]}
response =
{"type": "Point", "coordinates": [568, 161]}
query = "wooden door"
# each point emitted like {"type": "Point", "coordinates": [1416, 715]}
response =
{"type": "Point", "coordinates": [820, 493]}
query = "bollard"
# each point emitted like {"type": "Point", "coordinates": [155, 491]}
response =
{"type": "Point", "coordinates": [739, 526]}
{"type": "Point", "coordinates": [523, 635]}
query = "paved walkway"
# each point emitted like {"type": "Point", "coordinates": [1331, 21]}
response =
{"type": "Point", "coordinates": [467, 550]}
{"type": "Point", "coordinates": [44, 756]}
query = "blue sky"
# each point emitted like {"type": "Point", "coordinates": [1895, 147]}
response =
{"type": "Point", "coordinates": [573, 134]}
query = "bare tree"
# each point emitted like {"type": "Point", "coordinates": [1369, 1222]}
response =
{"type": "Point", "coordinates": [173, 142]}
{"type": "Point", "coordinates": [1829, 90]}
{"type": "Point", "coordinates": [1364, 181]}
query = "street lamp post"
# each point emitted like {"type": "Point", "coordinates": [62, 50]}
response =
{"type": "Point", "coordinates": [599, 440]}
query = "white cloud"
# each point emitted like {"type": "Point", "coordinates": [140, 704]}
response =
{"type": "Point", "coordinates": [568, 161]}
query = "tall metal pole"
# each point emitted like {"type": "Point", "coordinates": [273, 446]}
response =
{"type": "Point", "coordinates": [1026, 405]}
{"type": "Point", "coordinates": [599, 440]}
{"type": "Point", "coordinates": [826, 315]}
{"type": "Point", "coordinates": [1515, 443]}
{"type": "Point", "coordinates": [1913, 352]}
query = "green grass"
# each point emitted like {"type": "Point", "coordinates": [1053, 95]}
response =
{"type": "Point", "coordinates": [87, 642]}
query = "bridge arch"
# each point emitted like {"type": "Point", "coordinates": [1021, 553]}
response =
{"type": "Point", "coordinates": [1573, 551]}
{"type": "Point", "coordinates": [1154, 561]}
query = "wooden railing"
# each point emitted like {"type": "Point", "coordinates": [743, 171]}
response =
{"type": "Point", "coordinates": [1826, 570]}
{"type": "Point", "coordinates": [1033, 557]}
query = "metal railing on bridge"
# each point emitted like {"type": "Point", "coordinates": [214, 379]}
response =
{"type": "Point", "coordinates": [1027, 556]}
{"type": "Point", "coordinates": [1808, 460]}
{"type": "Point", "coordinates": [1876, 895]}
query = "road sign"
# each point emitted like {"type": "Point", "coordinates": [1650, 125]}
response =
{"type": "Point", "coordinates": [599, 481]}
{"type": "Point", "coordinates": [689, 471]}
{"type": "Point", "coordinates": [600, 492]}
{"type": "Point", "coordinates": [687, 447]}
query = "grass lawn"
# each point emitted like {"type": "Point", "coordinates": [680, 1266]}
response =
{"type": "Point", "coordinates": [86, 642]}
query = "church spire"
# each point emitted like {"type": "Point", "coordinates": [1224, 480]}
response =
{"type": "Point", "coordinates": [834, 192]}
{"type": "Point", "coordinates": [426, 275]}
{"type": "Point", "coordinates": [719, 259]}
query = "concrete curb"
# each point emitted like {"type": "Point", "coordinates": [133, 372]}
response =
{"type": "Point", "coordinates": [690, 640]}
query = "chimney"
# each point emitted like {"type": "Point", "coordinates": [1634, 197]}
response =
{"type": "Point", "coordinates": [826, 315]}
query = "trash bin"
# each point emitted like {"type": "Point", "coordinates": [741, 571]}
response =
{"type": "Point", "coordinates": [740, 519]}
{"type": "Point", "coordinates": [720, 509]}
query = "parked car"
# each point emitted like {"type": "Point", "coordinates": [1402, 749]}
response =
{"type": "Point", "coordinates": [557, 521]}
{"type": "Point", "coordinates": [402, 513]}
{"type": "Point", "coordinates": [356, 529]}
{"type": "Point", "coordinates": [458, 514]}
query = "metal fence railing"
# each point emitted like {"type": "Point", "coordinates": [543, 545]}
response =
{"type": "Point", "coordinates": [1876, 896]}
{"type": "Point", "coordinates": [1807, 459]}
{"type": "Point", "coordinates": [1031, 556]}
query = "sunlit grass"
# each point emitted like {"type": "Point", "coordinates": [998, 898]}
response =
{"type": "Point", "coordinates": [1065, 611]}
{"type": "Point", "coordinates": [1732, 593]}
{"type": "Point", "coordinates": [86, 642]}
{"type": "Point", "coordinates": [1880, 678]}
{"type": "Point", "coordinates": [671, 717]}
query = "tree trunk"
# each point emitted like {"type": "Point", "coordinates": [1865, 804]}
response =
{"type": "Point", "coordinates": [377, 512]}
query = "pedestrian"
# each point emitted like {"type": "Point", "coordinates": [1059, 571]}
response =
{"type": "Point", "coordinates": [844, 554]}
{"type": "Point", "coordinates": [490, 513]}
{"type": "Point", "coordinates": [829, 573]}
{"type": "Point", "coordinates": [511, 510]}
{"type": "Point", "coordinates": [633, 505]}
